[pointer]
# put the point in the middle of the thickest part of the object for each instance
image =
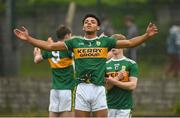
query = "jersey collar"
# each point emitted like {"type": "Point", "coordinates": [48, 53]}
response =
{"type": "Point", "coordinates": [118, 59]}
{"type": "Point", "coordinates": [90, 39]}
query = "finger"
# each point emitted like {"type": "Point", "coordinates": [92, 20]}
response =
{"type": "Point", "coordinates": [154, 26]}
{"type": "Point", "coordinates": [35, 51]}
{"type": "Point", "coordinates": [150, 24]}
{"type": "Point", "coordinates": [24, 28]}
{"type": "Point", "coordinates": [35, 48]}
{"type": "Point", "coordinates": [39, 50]}
{"type": "Point", "coordinates": [17, 31]}
{"type": "Point", "coordinates": [108, 78]}
{"type": "Point", "coordinates": [120, 73]}
{"type": "Point", "coordinates": [50, 40]}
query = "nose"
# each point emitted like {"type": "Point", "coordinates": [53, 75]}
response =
{"type": "Point", "coordinates": [89, 23]}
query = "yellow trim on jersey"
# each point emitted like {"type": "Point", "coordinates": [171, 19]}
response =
{"type": "Point", "coordinates": [114, 74]}
{"type": "Point", "coordinates": [90, 52]}
{"type": "Point", "coordinates": [73, 99]}
{"type": "Point", "coordinates": [62, 63]}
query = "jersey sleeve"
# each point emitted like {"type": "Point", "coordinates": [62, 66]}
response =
{"type": "Point", "coordinates": [133, 70]}
{"type": "Point", "coordinates": [111, 43]}
{"type": "Point", "coordinates": [69, 44]}
{"type": "Point", "coordinates": [70, 54]}
{"type": "Point", "coordinates": [46, 54]}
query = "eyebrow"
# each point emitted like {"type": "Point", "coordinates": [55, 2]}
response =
{"type": "Point", "coordinates": [90, 20]}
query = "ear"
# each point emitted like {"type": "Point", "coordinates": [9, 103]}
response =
{"type": "Point", "coordinates": [67, 36]}
{"type": "Point", "coordinates": [83, 28]}
{"type": "Point", "coordinates": [98, 28]}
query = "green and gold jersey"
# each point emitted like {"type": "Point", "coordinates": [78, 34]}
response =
{"type": "Point", "coordinates": [62, 69]}
{"type": "Point", "coordinates": [90, 57]}
{"type": "Point", "coordinates": [118, 98]}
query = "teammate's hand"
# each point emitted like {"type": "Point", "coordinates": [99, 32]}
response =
{"type": "Point", "coordinates": [120, 75]}
{"type": "Point", "coordinates": [37, 51]}
{"type": "Point", "coordinates": [111, 80]}
{"type": "Point", "coordinates": [50, 40]}
{"type": "Point", "coordinates": [22, 34]}
{"type": "Point", "coordinates": [151, 30]}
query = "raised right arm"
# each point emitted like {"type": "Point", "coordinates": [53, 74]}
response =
{"type": "Point", "coordinates": [24, 36]}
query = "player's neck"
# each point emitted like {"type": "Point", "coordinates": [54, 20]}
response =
{"type": "Point", "coordinates": [90, 36]}
{"type": "Point", "coordinates": [119, 56]}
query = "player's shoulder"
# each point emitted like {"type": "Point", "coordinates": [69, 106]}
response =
{"type": "Point", "coordinates": [76, 37]}
{"type": "Point", "coordinates": [129, 60]}
{"type": "Point", "coordinates": [104, 37]}
{"type": "Point", "coordinates": [109, 60]}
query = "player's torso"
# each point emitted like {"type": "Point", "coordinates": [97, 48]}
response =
{"type": "Point", "coordinates": [90, 57]}
{"type": "Point", "coordinates": [118, 98]}
{"type": "Point", "coordinates": [62, 69]}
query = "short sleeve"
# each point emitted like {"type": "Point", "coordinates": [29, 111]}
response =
{"type": "Point", "coordinates": [111, 43]}
{"type": "Point", "coordinates": [45, 54]}
{"type": "Point", "coordinates": [69, 44]}
{"type": "Point", "coordinates": [133, 70]}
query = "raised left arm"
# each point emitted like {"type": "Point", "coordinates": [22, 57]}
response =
{"type": "Point", "coordinates": [150, 32]}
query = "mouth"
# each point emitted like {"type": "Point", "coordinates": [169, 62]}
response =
{"type": "Point", "coordinates": [88, 27]}
{"type": "Point", "coordinates": [113, 50]}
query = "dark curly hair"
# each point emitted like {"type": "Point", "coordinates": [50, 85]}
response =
{"type": "Point", "coordinates": [93, 16]}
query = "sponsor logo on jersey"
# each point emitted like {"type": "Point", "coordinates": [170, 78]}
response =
{"type": "Point", "coordinates": [109, 68]}
{"type": "Point", "coordinates": [98, 43]}
{"type": "Point", "coordinates": [90, 53]}
{"type": "Point", "coordinates": [112, 74]}
{"type": "Point", "coordinates": [81, 44]}
{"type": "Point", "coordinates": [116, 67]}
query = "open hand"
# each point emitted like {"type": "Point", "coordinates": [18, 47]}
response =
{"type": "Point", "coordinates": [22, 34]}
{"type": "Point", "coordinates": [151, 30]}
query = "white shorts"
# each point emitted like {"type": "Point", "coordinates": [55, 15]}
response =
{"type": "Point", "coordinates": [60, 100]}
{"type": "Point", "coordinates": [90, 97]}
{"type": "Point", "coordinates": [119, 113]}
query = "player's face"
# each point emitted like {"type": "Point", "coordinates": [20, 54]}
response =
{"type": "Point", "coordinates": [116, 51]}
{"type": "Point", "coordinates": [67, 36]}
{"type": "Point", "coordinates": [90, 25]}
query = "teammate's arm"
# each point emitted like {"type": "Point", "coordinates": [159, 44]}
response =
{"type": "Point", "coordinates": [130, 85]}
{"type": "Point", "coordinates": [24, 36]}
{"type": "Point", "coordinates": [109, 84]}
{"type": "Point", "coordinates": [37, 55]}
{"type": "Point", "coordinates": [150, 32]}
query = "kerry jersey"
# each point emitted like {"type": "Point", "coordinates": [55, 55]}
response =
{"type": "Point", "coordinates": [90, 57]}
{"type": "Point", "coordinates": [118, 98]}
{"type": "Point", "coordinates": [62, 69]}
